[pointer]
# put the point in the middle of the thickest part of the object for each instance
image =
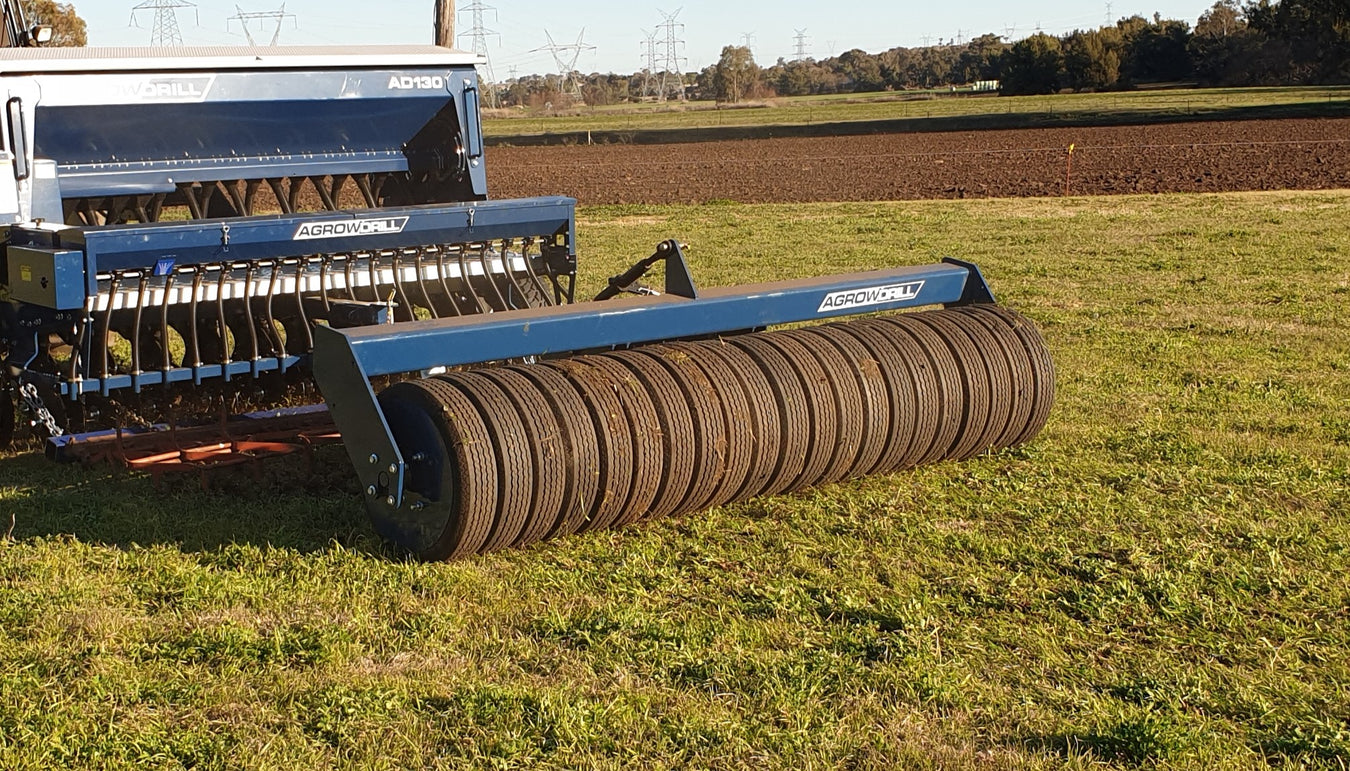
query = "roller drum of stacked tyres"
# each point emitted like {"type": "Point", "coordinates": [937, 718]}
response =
{"type": "Point", "coordinates": [506, 456]}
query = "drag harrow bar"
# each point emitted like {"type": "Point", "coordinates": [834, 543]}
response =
{"type": "Point", "coordinates": [541, 441]}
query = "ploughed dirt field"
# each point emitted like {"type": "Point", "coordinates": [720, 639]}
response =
{"type": "Point", "coordinates": [1160, 158]}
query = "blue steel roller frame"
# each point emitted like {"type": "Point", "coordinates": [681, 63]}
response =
{"type": "Point", "coordinates": [346, 359]}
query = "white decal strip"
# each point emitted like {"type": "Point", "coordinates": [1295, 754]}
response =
{"type": "Point", "coordinates": [869, 297]}
{"type": "Point", "coordinates": [344, 228]}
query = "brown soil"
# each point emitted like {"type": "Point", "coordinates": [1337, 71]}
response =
{"type": "Point", "coordinates": [1306, 154]}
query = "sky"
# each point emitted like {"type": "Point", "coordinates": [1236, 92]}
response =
{"type": "Point", "coordinates": [619, 30]}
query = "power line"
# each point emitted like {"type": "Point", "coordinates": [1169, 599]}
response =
{"type": "Point", "coordinates": [672, 64]}
{"type": "Point", "coordinates": [165, 31]}
{"type": "Point", "coordinates": [244, 18]}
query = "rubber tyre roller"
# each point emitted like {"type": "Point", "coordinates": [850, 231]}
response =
{"type": "Point", "coordinates": [973, 381]}
{"type": "Point", "coordinates": [1021, 379]}
{"type": "Point", "coordinates": [931, 365]}
{"type": "Point", "coordinates": [794, 422]}
{"type": "Point", "coordinates": [1042, 366]}
{"type": "Point", "coordinates": [874, 413]}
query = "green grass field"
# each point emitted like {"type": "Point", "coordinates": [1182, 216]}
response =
{"type": "Point", "coordinates": [901, 106]}
{"type": "Point", "coordinates": [1161, 579]}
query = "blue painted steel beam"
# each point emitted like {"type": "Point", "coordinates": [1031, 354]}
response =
{"type": "Point", "coordinates": [124, 247]}
{"type": "Point", "coordinates": [543, 331]}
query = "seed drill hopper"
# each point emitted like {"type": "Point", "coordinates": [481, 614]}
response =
{"type": "Point", "coordinates": [232, 226]}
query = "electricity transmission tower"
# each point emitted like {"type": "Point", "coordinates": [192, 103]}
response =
{"type": "Point", "coordinates": [649, 64]}
{"type": "Point", "coordinates": [478, 34]}
{"type": "Point", "coordinates": [672, 64]}
{"type": "Point", "coordinates": [801, 53]}
{"type": "Point", "coordinates": [280, 16]}
{"type": "Point", "coordinates": [165, 31]}
{"type": "Point", "coordinates": [748, 40]}
{"type": "Point", "coordinates": [567, 68]}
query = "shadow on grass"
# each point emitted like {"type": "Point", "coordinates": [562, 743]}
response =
{"type": "Point", "coordinates": [286, 505]}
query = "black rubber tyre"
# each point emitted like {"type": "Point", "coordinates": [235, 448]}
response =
{"type": "Point", "coordinates": [1005, 384]}
{"type": "Point", "coordinates": [704, 401]}
{"type": "Point", "coordinates": [735, 446]}
{"type": "Point", "coordinates": [874, 412]}
{"type": "Point", "coordinates": [794, 422]}
{"type": "Point", "coordinates": [762, 430]}
{"type": "Point", "coordinates": [908, 426]}
{"type": "Point", "coordinates": [451, 464]}
{"type": "Point", "coordinates": [1023, 379]}
{"type": "Point", "coordinates": [515, 472]}
{"type": "Point", "coordinates": [1042, 366]}
{"type": "Point", "coordinates": [649, 458]}
{"type": "Point", "coordinates": [847, 401]}
{"type": "Point", "coordinates": [617, 477]}
{"type": "Point", "coordinates": [970, 363]}
{"type": "Point", "coordinates": [934, 371]}
{"type": "Point", "coordinates": [582, 458]}
{"type": "Point", "coordinates": [545, 447]}
{"type": "Point", "coordinates": [675, 428]}
{"type": "Point", "coordinates": [822, 418]}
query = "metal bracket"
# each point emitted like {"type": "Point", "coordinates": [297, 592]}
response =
{"type": "Point", "coordinates": [977, 291]}
{"type": "Point", "coordinates": [679, 282]}
{"type": "Point", "coordinates": [351, 400]}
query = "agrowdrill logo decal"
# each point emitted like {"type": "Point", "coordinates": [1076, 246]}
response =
{"type": "Point", "coordinates": [344, 228]}
{"type": "Point", "coordinates": [186, 89]}
{"type": "Point", "coordinates": [865, 298]}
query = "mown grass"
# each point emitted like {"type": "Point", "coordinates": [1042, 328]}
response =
{"type": "Point", "coordinates": [845, 108]}
{"type": "Point", "coordinates": [1161, 579]}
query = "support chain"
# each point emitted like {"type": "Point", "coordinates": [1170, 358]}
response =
{"type": "Point", "coordinates": [35, 407]}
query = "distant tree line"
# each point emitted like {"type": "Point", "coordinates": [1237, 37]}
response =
{"type": "Point", "coordinates": [1267, 42]}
